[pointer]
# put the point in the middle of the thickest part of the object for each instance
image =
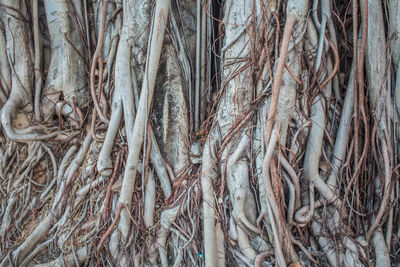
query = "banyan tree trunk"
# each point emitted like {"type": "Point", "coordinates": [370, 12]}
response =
{"type": "Point", "coordinates": [199, 133]}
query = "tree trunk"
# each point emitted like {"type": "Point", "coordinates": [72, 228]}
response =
{"type": "Point", "coordinates": [199, 133]}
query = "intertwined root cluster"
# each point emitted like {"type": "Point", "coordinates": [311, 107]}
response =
{"type": "Point", "coordinates": [199, 133]}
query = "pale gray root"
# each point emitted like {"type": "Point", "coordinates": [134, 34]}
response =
{"type": "Point", "coordinates": [326, 14]}
{"type": "Point", "coordinates": [389, 224]}
{"type": "Point", "coordinates": [149, 200]}
{"type": "Point", "coordinates": [244, 207]}
{"type": "Point", "coordinates": [259, 147]}
{"type": "Point", "coordinates": [126, 88]}
{"type": "Point", "coordinates": [37, 60]}
{"type": "Point", "coordinates": [272, 206]}
{"type": "Point", "coordinates": [394, 30]}
{"type": "Point", "coordinates": [376, 68]}
{"type": "Point", "coordinates": [376, 64]}
{"type": "Point", "coordinates": [205, 33]}
{"type": "Point", "coordinates": [287, 92]}
{"type": "Point", "coordinates": [2, 156]}
{"type": "Point", "coordinates": [159, 167]}
{"type": "Point", "coordinates": [104, 163]}
{"type": "Point", "coordinates": [397, 89]}
{"type": "Point", "coordinates": [242, 260]}
{"type": "Point", "coordinates": [67, 69]}
{"type": "Point", "coordinates": [314, 144]}
{"type": "Point", "coordinates": [198, 67]}
{"type": "Point", "coordinates": [128, 183]}
{"type": "Point", "coordinates": [219, 235]}
{"type": "Point", "coordinates": [382, 257]}
{"type": "Point", "coordinates": [122, 87]}
{"type": "Point", "coordinates": [111, 52]}
{"type": "Point", "coordinates": [291, 201]}
{"type": "Point", "coordinates": [343, 134]}
{"type": "Point", "coordinates": [232, 231]}
{"type": "Point", "coordinates": [208, 174]}
{"type": "Point", "coordinates": [386, 188]}
{"type": "Point", "coordinates": [112, 55]}
{"type": "Point", "coordinates": [5, 72]}
{"type": "Point", "coordinates": [294, 179]}
{"type": "Point", "coordinates": [315, 16]}
{"type": "Point", "coordinates": [245, 246]}
{"type": "Point", "coordinates": [167, 217]}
